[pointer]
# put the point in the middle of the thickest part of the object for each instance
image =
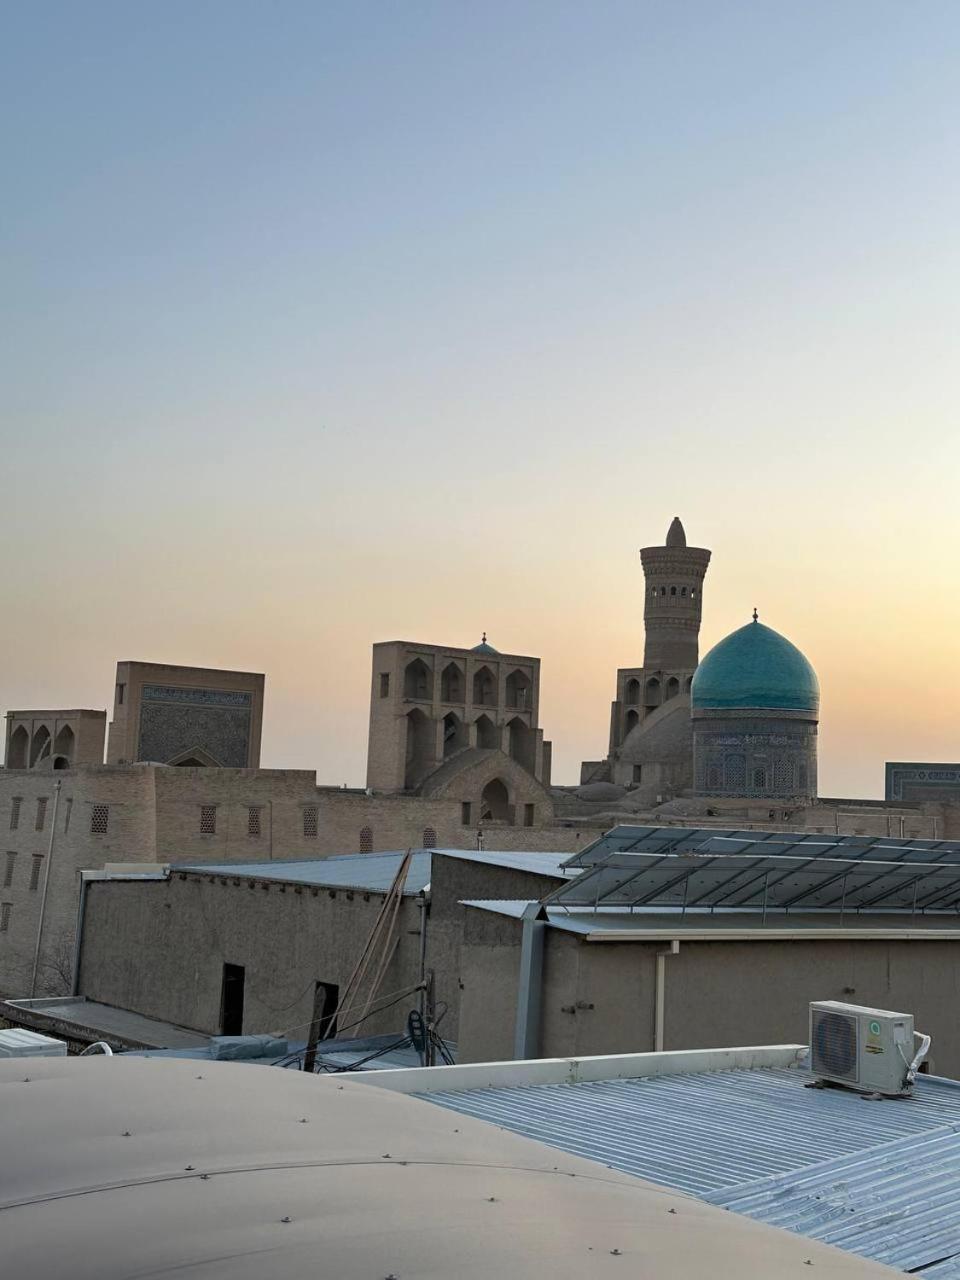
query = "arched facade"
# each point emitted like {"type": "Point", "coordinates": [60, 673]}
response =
{"type": "Point", "coordinates": [454, 734]}
{"type": "Point", "coordinates": [495, 802]}
{"type": "Point", "coordinates": [451, 683]}
{"type": "Point", "coordinates": [40, 746]}
{"type": "Point", "coordinates": [420, 748]}
{"type": "Point", "coordinates": [488, 735]}
{"type": "Point", "coordinates": [18, 748]}
{"type": "Point", "coordinates": [484, 688]}
{"type": "Point", "coordinates": [416, 681]}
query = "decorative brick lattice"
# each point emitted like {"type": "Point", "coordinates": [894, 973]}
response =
{"type": "Point", "coordinates": [8, 870]}
{"type": "Point", "coordinates": [366, 839]}
{"type": "Point", "coordinates": [208, 819]}
{"type": "Point", "coordinates": [99, 819]}
{"type": "Point", "coordinates": [310, 815]}
{"type": "Point", "coordinates": [5, 909]}
{"type": "Point", "coordinates": [429, 838]}
{"type": "Point", "coordinates": [253, 819]}
{"type": "Point", "coordinates": [15, 812]}
{"type": "Point", "coordinates": [35, 866]}
{"type": "Point", "coordinates": [41, 812]}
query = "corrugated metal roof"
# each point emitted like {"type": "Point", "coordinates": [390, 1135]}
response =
{"type": "Point", "coordinates": [876, 1178]}
{"type": "Point", "coordinates": [375, 872]}
{"type": "Point", "coordinates": [705, 1132]}
{"type": "Point", "coordinates": [896, 1203]}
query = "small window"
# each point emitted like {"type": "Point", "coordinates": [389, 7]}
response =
{"type": "Point", "coordinates": [385, 684]}
{"type": "Point", "coordinates": [68, 809]}
{"type": "Point", "coordinates": [429, 838]}
{"type": "Point", "coordinates": [673, 591]}
{"type": "Point", "coordinates": [99, 819]}
{"type": "Point", "coordinates": [663, 591]}
{"type": "Point", "coordinates": [208, 819]}
{"type": "Point", "coordinates": [310, 821]}
{"type": "Point", "coordinates": [253, 819]}
{"type": "Point", "coordinates": [683, 591]}
{"type": "Point", "coordinates": [465, 810]}
{"type": "Point", "coordinates": [529, 813]}
{"type": "Point", "coordinates": [41, 813]}
{"type": "Point", "coordinates": [366, 839]}
{"type": "Point", "coordinates": [5, 909]}
{"type": "Point", "coordinates": [8, 870]}
{"type": "Point", "coordinates": [120, 690]}
{"type": "Point", "coordinates": [15, 812]}
{"type": "Point", "coordinates": [35, 866]}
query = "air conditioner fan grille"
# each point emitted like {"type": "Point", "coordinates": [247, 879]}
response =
{"type": "Point", "coordinates": [834, 1045]}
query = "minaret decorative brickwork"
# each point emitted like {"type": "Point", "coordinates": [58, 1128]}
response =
{"type": "Point", "coordinates": [673, 601]}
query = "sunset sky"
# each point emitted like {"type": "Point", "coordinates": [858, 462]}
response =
{"type": "Point", "coordinates": [327, 324]}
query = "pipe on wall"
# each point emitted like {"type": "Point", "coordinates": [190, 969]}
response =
{"type": "Point", "coordinates": [659, 996]}
{"type": "Point", "coordinates": [527, 1035]}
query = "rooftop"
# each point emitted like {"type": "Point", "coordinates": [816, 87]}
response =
{"type": "Point", "coordinates": [375, 872]}
{"type": "Point", "coordinates": [881, 1179]}
{"type": "Point", "coordinates": [164, 1170]}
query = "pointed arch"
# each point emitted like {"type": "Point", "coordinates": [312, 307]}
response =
{"type": "Point", "coordinates": [652, 694]}
{"type": "Point", "coordinates": [416, 681]}
{"type": "Point", "coordinates": [488, 736]}
{"type": "Point", "coordinates": [40, 747]}
{"type": "Point", "coordinates": [17, 750]}
{"type": "Point", "coordinates": [63, 744]}
{"type": "Point", "coordinates": [522, 743]}
{"type": "Point", "coordinates": [630, 721]}
{"type": "Point", "coordinates": [454, 734]}
{"type": "Point", "coordinates": [519, 690]}
{"type": "Point", "coordinates": [419, 754]}
{"type": "Point", "coordinates": [673, 687]}
{"type": "Point", "coordinates": [451, 683]}
{"type": "Point", "coordinates": [495, 802]}
{"type": "Point", "coordinates": [631, 692]}
{"type": "Point", "coordinates": [484, 688]}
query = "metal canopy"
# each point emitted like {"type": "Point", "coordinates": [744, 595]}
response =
{"type": "Point", "coordinates": [781, 882]}
{"type": "Point", "coordinates": [710, 840]}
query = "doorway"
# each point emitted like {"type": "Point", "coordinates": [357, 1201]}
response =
{"type": "Point", "coordinates": [231, 1000]}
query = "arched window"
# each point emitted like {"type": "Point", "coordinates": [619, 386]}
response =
{"type": "Point", "coordinates": [420, 748]}
{"type": "Point", "coordinates": [683, 591]}
{"type": "Point", "coordinates": [734, 771]}
{"type": "Point", "coordinates": [783, 774]}
{"type": "Point", "coordinates": [673, 687]}
{"type": "Point", "coordinates": [663, 591]}
{"type": "Point", "coordinates": [484, 688]}
{"type": "Point", "coordinates": [487, 735]}
{"type": "Point", "coordinates": [688, 684]}
{"type": "Point", "coordinates": [454, 734]}
{"type": "Point", "coordinates": [40, 747]}
{"type": "Point", "coordinates": [416, 681]}
{"type": "Point", "coordinates": [451, 683]}
{"type": "Point", "coordinates": [759, 779]}
{"type": "Point", "coordinates": [61, 762]}
{"type": "Point", "coordinates": [652, 693]}
{"type": "Point", "coordinates": [673, 591]}
{"type": "Point", "coordinates": [429, 838]}
{"type": "Point", "coordinates": [366, 839]}
{"type": "Point", "coordinates": [17, 751]}
{"type": "Point", "coordinates": [714, 777]}
{"type": "Point", "coordinates": [631, 693]}
{"type": "Point", "coordinates": [518, 690]}
{"type": "Point", "coordinates": [630, 721]}
{"type": "Point", "coordinates": [495, 802]}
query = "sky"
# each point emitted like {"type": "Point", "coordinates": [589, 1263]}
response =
{"type": "Point", "coordinates": [324, 324]}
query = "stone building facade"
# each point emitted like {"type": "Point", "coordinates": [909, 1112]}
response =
{"type": "Point", "coordinates": [192, 716]}
{"type": "Point", "coordinates": [48, 740]}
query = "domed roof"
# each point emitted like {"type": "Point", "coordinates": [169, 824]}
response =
{"type": "Point", "coordinates": [483, 647]}
{"type": "Point", "coordinates": [756, 667]}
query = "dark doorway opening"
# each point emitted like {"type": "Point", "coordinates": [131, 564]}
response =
{"type": "Point", "coordinates": [326, 999]}
{"type": "Point", "coordinates": [231, 1000]}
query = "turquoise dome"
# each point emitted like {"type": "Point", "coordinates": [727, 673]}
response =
{"type": "Point", "coordinates": [756, 667]}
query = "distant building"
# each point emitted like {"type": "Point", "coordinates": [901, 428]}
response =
{"type": "Point", "coordinates": [190, 716]}
{"type": "Point", "coordinates": [460, 723]}
{"type": "Point", "coordinates": [922, 782]}
{"type": "Point", "coordinates": [755, 703]}
{"type": "Point", "coordinates": [48, 740]}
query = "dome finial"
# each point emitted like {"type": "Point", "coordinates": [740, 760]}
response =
{"type": "Point", "coordinates": [484, 637]}
{"type": "Point", "coordinates": [676, 537]}
{"type": "Point", "coordinates": [756, 616]}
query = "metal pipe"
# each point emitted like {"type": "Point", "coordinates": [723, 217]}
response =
{"type": "Point", "coordinates": [919, 1056]}
{"type": "Point", "coordinates": [659, 993]}
{"type": "Point", "coordinates": [530, 992]}
{"type": "Point", "coordinates": [422, 904]}
{"type": "Point", "coordinates": [46, 884]}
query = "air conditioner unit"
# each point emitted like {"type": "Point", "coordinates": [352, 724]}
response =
{"type": "Point", "coordinates": [871, 1050]}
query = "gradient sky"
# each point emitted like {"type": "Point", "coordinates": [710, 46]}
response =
{"type": "Point", "coordinates": [326, 324]}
